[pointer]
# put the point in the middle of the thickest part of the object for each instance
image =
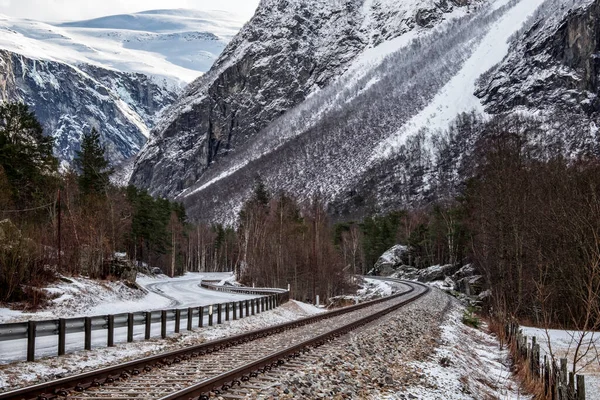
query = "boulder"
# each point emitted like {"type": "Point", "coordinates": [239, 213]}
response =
{"type": "Point", "coordinates": [437, 273]}
{"type": "Point", "coordinates": [122, 269]}
{"type": "Point", "coordinates": [391, 260]}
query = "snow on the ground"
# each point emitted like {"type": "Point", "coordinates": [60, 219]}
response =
{"type": "Point", "coordinates": [369, 289]}
{"type": "Point", "coordinates": [18, 374]}
{"type": "Point", "coordinates": [468, 364]}
{"type": "Point", "coordinates": [457, 95]}
{"type": "Point", "coordinates": [309, 308]}
{"type": "Point", "coordinates": [563, 344]}
{"type": "Point", "coordinates": [375, 287]}
{"type": "Point", "coordinates": [76, 296]}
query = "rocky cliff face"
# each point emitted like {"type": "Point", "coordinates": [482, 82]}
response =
{"type": "Point", "coordinates": [553, 65]}
{"type": "Point", "coordinates": [70, 100]}
{"type": "Point", "coordinates": [288, 51]}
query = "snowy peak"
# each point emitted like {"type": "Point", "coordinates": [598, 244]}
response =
{"type": "Point", "coordinates": [172, 45]}
{"type": "Point", "coordinates": [114, 73]}
{"type": "Point", "coordinates": [220, 23]}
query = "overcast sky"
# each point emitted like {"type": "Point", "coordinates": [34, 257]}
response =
{"type": "Point", "coordinates": [61, 10]}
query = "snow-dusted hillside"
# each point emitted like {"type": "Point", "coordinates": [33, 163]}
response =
{"type": "Point", "coordinates": [114, 73]}
{"type": "Point", "coordinates": [289, 51]}
{"type": "Point", "coordinates": [348, 101]}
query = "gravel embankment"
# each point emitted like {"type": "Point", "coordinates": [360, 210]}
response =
{"type": "Point", "coordinates": [422, 351]}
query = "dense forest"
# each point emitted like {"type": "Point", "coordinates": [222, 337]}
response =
{"type": "Point", "coordinates": [526, 215]}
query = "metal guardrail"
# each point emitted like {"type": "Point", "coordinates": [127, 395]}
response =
{"type": "Point", "coordinates": [61, 327]}
{"type": "Point", "coordinates": [83, 381]}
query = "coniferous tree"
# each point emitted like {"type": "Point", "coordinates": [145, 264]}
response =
{"type": "Point", "coordinates": [25, 153]}
{"type": "Point", "coordinates": [92, 164]}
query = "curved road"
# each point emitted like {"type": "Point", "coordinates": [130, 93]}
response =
{"type": "Point", "coordinates": [165, 293]}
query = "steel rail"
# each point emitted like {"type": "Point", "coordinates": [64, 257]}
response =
{"type": "Point", "coordinates": [226, 380]}
{"type": "Point", "coordinates": [81, 382]}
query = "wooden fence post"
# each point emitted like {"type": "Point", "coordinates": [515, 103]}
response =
{"type": "Point", "coordinates": [580, 387]}
{"type": "Point", "coordinates": [62, 336]}
{"type": "Point", "coordinates": [163, 324]}
{"type": "Point", "coordinates": [226, 311]}
{"type": "Point", "coordinates": [31, 327]}
{"type": "Point", "coordinates": [219, 316]}
{"type": "Point", "coordinates": [234, 307]}
{"type": "Point", "coordinates": [571, 393]}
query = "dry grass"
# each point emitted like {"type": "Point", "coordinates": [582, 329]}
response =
{"type": "Point", "coordinates": [530, 383]}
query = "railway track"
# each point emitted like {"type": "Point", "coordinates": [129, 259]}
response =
{"type": "Point", "coordinates": [218, 366]}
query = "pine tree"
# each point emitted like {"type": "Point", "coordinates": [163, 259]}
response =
{"type": "Point", "coordinates": [92, 165]}
{"type": "Point", "coordinates": [25, 153]}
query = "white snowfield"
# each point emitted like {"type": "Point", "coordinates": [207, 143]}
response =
{"type": "Point", "coordinates": [457, 96]}
{"type": "Point", "coordinates": [176, 46]}
{"type": "Point", "coordinates": [563, 344]}
{"type": "Point", "coordinates": [83, 297]}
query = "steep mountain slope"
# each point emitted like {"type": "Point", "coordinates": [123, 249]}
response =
{"type": "Point", "coordinates": [70, 100]}
{"type": "Point", "coordinates": [114, 73]}
{"type": "Point", "coordinates": [365, 137]}
{"type": "Point", "coordinates": [288, 51]}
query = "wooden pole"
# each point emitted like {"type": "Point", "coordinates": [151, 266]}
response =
{"type": "Point", "coordinates": [580, 387]}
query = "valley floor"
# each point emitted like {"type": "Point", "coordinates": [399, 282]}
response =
{"type": "Point", "coordinates": [423, 351]}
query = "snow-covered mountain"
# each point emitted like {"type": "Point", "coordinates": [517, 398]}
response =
{"type": "Point", "coordinates": [345, 99]}
{"type": "Point", "coordinates": [114, 73]}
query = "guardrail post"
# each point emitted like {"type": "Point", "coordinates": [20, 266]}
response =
{"type": "Point", "coordinates": [234, 310]}
{"type": "Point", "coordinates": [241, 304]}
{"type": "Point", "coordinates": [257, 302]}
{"type": "Point", "coordinates": [163, 324]}
{"type": "Point", "coordinates": [189, 318]}
{"type": "Point", "coordinates": [201, 318]}
{"type": "Point", "coordinates": [111, 331]}
{"type": "Point", "coordinates": [247, 308]}
{"type": "Point", "coordinates": [263, 301]}
{"type": "Point", "coordinates": [210, 315]}
{"type": "Point", "coordinates": [148, 322]}
{"type": "Point", "coordinates": [62, 336]}
{"type": "Point", "coordinates": [177, 320]}
{"type": "Point", "coordinates": [219, 316]}
{"type": "Point", "coordinates": [31, 327]}
{"type": "Point", "coordinates": [226, 311]}
{"type": "Point", "coordinates": [88, 333]}
{"type": "Point", "coordinates": [130, 328]}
